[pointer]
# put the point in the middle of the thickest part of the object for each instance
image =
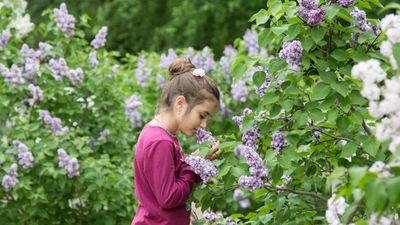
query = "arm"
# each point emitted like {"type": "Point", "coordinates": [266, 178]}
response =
{"type": "Point", "coordinates": [169, 190]}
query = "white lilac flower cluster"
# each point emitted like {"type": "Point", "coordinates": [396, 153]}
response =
{"type": "Point", "coordinates": [383, 93]}
{"type": "Point", "coordinates": [25, 157]}
{"type": "Point", "coordinates": [53, 122]}
{"type": "Point", "coordinates": [336, 208]}
{"type": "Point", "coordinates": [10, 179]}
{"type": "Point", "coordinates": [202, 167]}
{"type": "Point", "coordinates": [383, 169]}
{"type": "Point", "coordinates": [60, 69]}
{"type": "Point", "coordinates": [70, 164]}
{"type": "Point", "coordinates": [131, 106]}
{"type": "Point", "coordinates": [20, 22]}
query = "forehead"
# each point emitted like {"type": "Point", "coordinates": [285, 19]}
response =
{"type": "Point", "coordinates": [208, 105]}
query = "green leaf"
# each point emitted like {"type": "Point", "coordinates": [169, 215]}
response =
{"type": "Point", "coordinates": [259, 78]}
{"type": "Point", "coordinates": [316, 115]}
{"type": "Point", "coordinates": [342, 88]}
{"type": "Point", "coordinates": [247, 123]}
{"type": "Point", "coordinates": [260, 17]}
{"type": "Point", "coordinates": [293, 31]}
{"type": "Point", "coordinates": [396, 54]}
{"type": "Point", "coordinates": [269, 98]}
{"type": "Point", "coordinates": [371, 147]}
{"type": "Point", "coordinates": [307, 43]}
{"type": "Point", "coordinates": [340, 55]}
{"type": "Point", "coordinates": [349, 149]}
{"type": "Point", "coordinates": [320, 91]}
{"type": "Point", "coordinates": [317, 34]}
{"type": "Point", "coordinates": [239, 69]}
{"type": "Point", "coordinates": [331, 11]}
{"type": "Point", "coordinates": [265, 37]}
{"type": "Point", "coordinates": [287, 105]}
{"type": "Point", "coordinates": [300, 118]}
{"type": "Point", "coordinates": [277, 65]}
{"type": "Point", "coordinates": [279, 30]}
{"type": "Point", "coordinates": [356, 174]}
{"type": "Point", "coordinates": [328, 77]}
{"type": "Point", "coordinates": [343, 123]}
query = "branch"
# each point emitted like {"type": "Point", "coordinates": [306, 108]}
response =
{"type": "Point", "coordinates": [366, 128]}
{"type": "Point", "coordinates": [377, 36]}
{"type": "Point", "coordinates": [312, 194]}
{"type": "Point", "coordinates": [335, 137]}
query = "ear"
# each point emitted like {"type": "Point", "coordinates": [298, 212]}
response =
{"type": "Point", "coordinates": [180, 101]}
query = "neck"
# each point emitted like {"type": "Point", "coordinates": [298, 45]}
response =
{"type": "Point", "coordinates": [168, 123]}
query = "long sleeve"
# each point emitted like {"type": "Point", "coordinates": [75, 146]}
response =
{"type": "Point", "coordinates": [170, 190]}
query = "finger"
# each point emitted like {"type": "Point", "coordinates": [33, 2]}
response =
{"type": "Point", "coordinates": [215, 146]}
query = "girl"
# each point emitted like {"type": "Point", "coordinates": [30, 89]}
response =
{"type": "Point", "coordinates": [163, 181]}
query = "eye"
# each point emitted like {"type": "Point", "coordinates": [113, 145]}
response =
{"type": "Point", "coordinates": [202, 116]}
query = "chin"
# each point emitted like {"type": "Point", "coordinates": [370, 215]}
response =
{"type": "Point", "coordinates": [189, 133]}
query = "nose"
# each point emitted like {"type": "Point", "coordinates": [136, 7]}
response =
{"type": "Point", "coordinates": [203, 124]}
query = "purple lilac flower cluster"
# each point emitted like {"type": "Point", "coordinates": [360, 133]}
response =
{"type": "Point", "coordinates": [132, 104]}
{"type": "Point", "coordinates": [309, 9]}
{"type": "Point", "coordinates": [160, 80]}
{"type": "Point", "coordinates": [93, 61]}
{"type": "Point", "coordinates": [60, 69]}
{"type": "Point", "coordinates": [204, 60]}
{"type": "Point", "coordinates": [55, 123]}
{"type": "Point", "coordinates": [70, 164]}
{"type": "Point", "coordinates": [166, 60]}
{"type": "Point", "coordinates": [278, 142]}
{"type": "Point", "coordinates": [344, 3]}
{"type": "Point", "coordinates": [64, 21]}
{"type": "Point", "coordinates": [250, 136]}
{"type": "Point", "coordinates": [239, 119]}
{"type": "Point", "coordinates": [31, 59]}
{"type": "Point", "coordinates": [225, 111]}
{"type": "Point", "coordinates": [251, 183]}
{"type": "Point", "coordinates": [238, 195]}
{"type": "Point", "coordinates": [142, 72]}
{"type": "Point", "coordinates": [361, 17]}
{"type": "Point", "coordinates": [10, 179]}
{"type": "Point", "coordinates": [226, 61]}
{"type": "Point", "coordinates": [212, 217]}
{"type": "Point", "coordinates": [202, 167]}
{"type": "Point", "coordinates": [292, 53]}
{"type": "Point", "coordinates": [105, 133]}
{"type": "Point", "coordinates": [100, 40]}
{"type": "Point", "coordinates": [251, 43]}
{"type": "Point", "coordinates": [4, 37]}
{"type": "Point", "coordinates": [286, 179]}
{"type": "Point", "coordinates": [25, 157]}
{"type": "Point", "coordinates": [36, 92]}
{"type": "Point", "coordinates": [13, 75]}
{"type": "Point", "coordinates": [203, 135]}
{"type": "Point", "coordinates": [239, 91]}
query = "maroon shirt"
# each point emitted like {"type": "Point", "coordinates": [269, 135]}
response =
{"type": "Point", "coordinates": [163, 181]}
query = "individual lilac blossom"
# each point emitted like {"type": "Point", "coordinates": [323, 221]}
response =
{"type": "Point", "coordinates": [115, 68]}
{"type": "Point", "coordinates": [250, 39]}
{"type": "Point", "coordinates": [203, 135]}
{"type": "Point", "coordinates": [292, 53]}
{"type": "Point", "coordinates": [238, 194]}
{"type": "Point", "coordinates": [4, 37]}
{"type": "Point", "coordinates": [251, 183]}
{"type": "Point", "coordinates": [13, 75]}
{"type": "Point", "coordinates": [278, 142]}
{"type": "Point", "coordinates": [105, 133]}
{"type": "Point", "coordinates": [239, 91]}
{"type": "Point", "coordinates": [142, 72]}
{"type": "Point", "coordinates": [212, 217]}
{"type": "Point", "coordinates": [202, 167]}
{"type": "Point", "coordinates": [75, 75]}
{"type": "Point", "coordinates": [160, 80]}
{"type": "Point", "coordinates": [93, 59]}
{"type": "Point", "coordinates": [64, 21]}
{"type": "Point", "coordinates": [166, 60]}
{"type": "Point", "coordinates": [36, 92]}
{"type": "Point", "coordinates": [226, 61]}
{"type": "Point", "coordinates": [71, 165]}
{"type": "Point", "coordinates": [10, 179]}
{"type": "Point", "coordinates": [100, 39]}
{"type": "Point", "coordinates": [59, 68]}
{"type": "Point", "coordinates": [44, 47]}
{"type": "Point", "coordinates": [55, 123]}
{"type": "Point", "coordinates": [317, 134]}
{"type": "Point", "coordinates": [132, 104]}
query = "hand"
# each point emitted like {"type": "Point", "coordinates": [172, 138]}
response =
{"type": "Point", "coordinates": [215, 152]}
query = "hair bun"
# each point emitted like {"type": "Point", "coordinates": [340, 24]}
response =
{"type": "Point", "coordinates": [180, 66]}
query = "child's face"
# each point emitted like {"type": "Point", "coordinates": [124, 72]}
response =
{"type": "Point", "coordinates": [197, 117]}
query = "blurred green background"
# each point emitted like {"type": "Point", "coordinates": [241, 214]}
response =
{"type": "Point", "coordinates": [156, 25]}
